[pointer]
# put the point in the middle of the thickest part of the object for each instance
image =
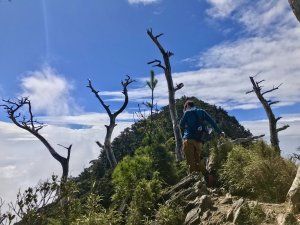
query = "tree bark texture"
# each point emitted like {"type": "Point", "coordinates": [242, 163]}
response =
{"type": "Point", "coordinates": [271, 117]}
{"type": "Point", "coordinates": [295, 5]}
{"type": "Point", "coordinates": [112, 120]}
{"type": "Point", "coordinates": [171, 90]}
{"type": "Point", "coordinates": [293, 196]}
{"type": "Point", "coordinates": [33, 127]}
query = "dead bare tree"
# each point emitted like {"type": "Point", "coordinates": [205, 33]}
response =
{"type": "Point", "coordinates": [257, 89]}
{"type": "Point", "coordinates": [293, 195]}
{"type": "Point", "coordinates": [25, 120]}
{"type": "Point", "coordinates": [112, 116]}
{"type": "Point", "coordinates": [171, 89]}
{"type": "Point", "coordinates": [295, 5]}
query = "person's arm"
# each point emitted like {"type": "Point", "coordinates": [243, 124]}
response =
{"type": "Point", "coordinates": [182, 121]}
{"type": "Point", "coordinates": [210, 120]}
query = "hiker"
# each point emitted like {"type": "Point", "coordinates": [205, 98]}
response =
{"type": "Point", "coordinates": [192, 123]}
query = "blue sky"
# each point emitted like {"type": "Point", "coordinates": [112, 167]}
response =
{"type": "Point", "coordinates": [49, 48]}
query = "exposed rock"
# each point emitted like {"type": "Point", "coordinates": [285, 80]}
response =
{"type": "Point", "coordinates": [293, 196]}
{"type": "Point", "coordinates": [227, 199]}
{"type": "Point", "coordinates": [286, 219]}
{"type": "Point", "coordinates": [193, 217]}
{"type": "Point", "coordinates": [188, 189]}
{"type": "Point", "coordinates": [233, 210]}
{"type": "Point", "coordinates": [185, 183]}
{"type": "Point", "coordinates": [201, 205]}
{"type": "Point", "coordinates": [204, 206]}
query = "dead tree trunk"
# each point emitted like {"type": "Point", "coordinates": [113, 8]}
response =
{"type": "Point", "coordinates": [295, 5]}
{"type": "Point", "coordinates": [30, 124]}
{"type": "Point", "coordinates": [172, 103]}
{"type": "Point", "coordinates": [112, 120]}
{"type": "Point", "coordinates": [293, 196]}
{"type": "Point", "coordinates": [267, 107]}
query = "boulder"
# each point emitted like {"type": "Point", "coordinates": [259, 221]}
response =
{"type": "Point", "coordinates": [201, 207]}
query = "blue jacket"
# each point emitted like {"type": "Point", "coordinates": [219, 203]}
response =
{"type": "Point", "coordinates": [189, 122]}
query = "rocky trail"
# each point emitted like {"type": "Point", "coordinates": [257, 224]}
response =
{"type": "Point", "coordinates": [208, 206]}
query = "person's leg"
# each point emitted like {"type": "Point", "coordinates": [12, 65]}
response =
{"type": "Point", "coordinates": [188, 149]}
{"type": "Point", "coordinates": [197, 146]}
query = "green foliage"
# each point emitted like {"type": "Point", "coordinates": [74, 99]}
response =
{"type": "Point", "coordinates": [128, 173]}
{"type": "Point", "coordinates": [144, 200]}
{"type": "Point", "coordinates": [144, 174]}
{"type": "Point", "coordinates": [291, 220]}
{"type": "Point", "coordinates": [96, 179]}
{"type": "Point", "coordinates": [31, 205]}
{"type": "Point", "coordinates": [251, 215]}
{"type": "Point", "coordinates": [258, 172]}
{"type": "Point", "coordinates": [144, 164]}
{"type": "Point", "coordinates": [55, 203]}
{"type": "Point", "coordinates": [162, 161]}
{"type": "Point", "coordinates": [94, 214]}
{"type": "Point", "coordinates": [146, 132]}
{"type": "Point", "coordinates": [69, 205]}
{"type": "Point", "coordinates": [170, 215]}
{"type": "Point", "coordinates": [145, 153]}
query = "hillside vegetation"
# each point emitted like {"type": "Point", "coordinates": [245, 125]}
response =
{"type": "Point", "coordinates": [148, 186]}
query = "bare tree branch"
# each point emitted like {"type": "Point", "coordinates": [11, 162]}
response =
{"type": "Point", "coordinates": [100, 145]}
{"type": "Point", "coordinates": [178, 86]}
{"type": "Point", "coordinates": [260, 82]}
{"type": "Point", "coordinates": [295, 156]}
{"type": "Point", "coordinates": [171, 90]}
{"type": "Point", "coordinates": [273, 89]}
{"type": "Point", "coordinates": [112, 119]}
{"type": "Point", "coordinates": [295, 5]}
{"type": "Point", "coordinates": [248, 92]}
{"type": "Point", "coordinates": [158, 64]}
{"type": "Point", "coordinates": [128, 81]}
{"type": "Point", "coordinates": [106, 107]}
{"type": "Point", "coordinates": [157, 36]}
{"type": "Point", "coordinates": [30, 124]}
{"type": "Point", "coordinates": [273, 102]}
{"type": "Point", "coordinates": [267, 106]}
{"type": "Point", "coordinates": [282, 128]}
{"type": "Point", "coordinates": [247, 139]}
{"type": "Point", "coordinates": [68, 148]}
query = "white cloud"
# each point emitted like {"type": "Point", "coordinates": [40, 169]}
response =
{"type": "Point", "coordinates": [260, 17]}
{"type": "Point", "coordinates": [289, 138]}
{"type": "Point", "coordinates": [223, 8]}
{"type": "Point", "coordinates": [266, 16]}
{"type": "Point", "coordinates": [145, 2]}
{"type": "Point", "coordinates": [223, 77]}
{"type": "Point", "coordinates": [25, 160]}
{"type": "Point", "coordinates": [49, 92]}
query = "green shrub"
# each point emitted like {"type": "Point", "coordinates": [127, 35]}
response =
{"type": "Point", "coordinates": [170, 215]}
{"type": "Point", "coordinates": [94, 214]}
{"type": "Point", "coordinates": [146, 162]}
{"type": "Point", "coordinates": [251, 215]}
{"type": "Point", "coordinates": [162, 161]}
{"type": "Point", "coordinates": [128, 173]}
{"type": "Point", "coordinates": [144, 174]}
{"type": "Point", "coordinates": [144, 201]}
{"type": "Point", "coordinates": [258, 172]}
